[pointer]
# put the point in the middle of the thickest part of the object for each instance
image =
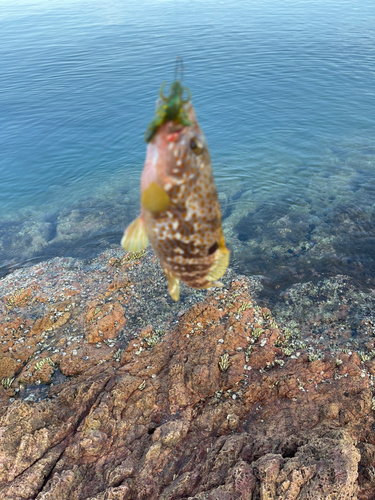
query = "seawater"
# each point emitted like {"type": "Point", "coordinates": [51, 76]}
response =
{"type": "Point", "coordinates": [284, 91]}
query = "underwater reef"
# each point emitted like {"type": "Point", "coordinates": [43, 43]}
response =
{"type": "Point", "coordinates": [83, 228]}
{"type": "Point", "coordinates": [110, 390]}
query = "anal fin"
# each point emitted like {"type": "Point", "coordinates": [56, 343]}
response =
{"type": "Point", "coordinates": [135, 237]}
{"type": "Point", "coordinates": [173, 285]}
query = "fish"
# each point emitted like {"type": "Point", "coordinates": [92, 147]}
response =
{"type": "Point", "coordinates": [180, 212]}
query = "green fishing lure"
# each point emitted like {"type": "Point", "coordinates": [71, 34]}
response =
{"type": "Point", "coordinates": [171, 109]}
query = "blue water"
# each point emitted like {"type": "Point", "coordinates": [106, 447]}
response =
{"type": "Point", "coordinates": [284, 91]}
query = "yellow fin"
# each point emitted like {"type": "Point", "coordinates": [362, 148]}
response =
{"type": "Point", "coordinates": [173, 285]}
{"type": "Point", "coordinates": [213, 284]}
{"type": "Point", "coordinates": [155, 199]}
{"type": "Point", "coordinates": [135, 237]}
{"type": "Point", "coordinates": [220, 264]}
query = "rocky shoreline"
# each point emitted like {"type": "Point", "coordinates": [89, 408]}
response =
{"type": "Point", "coordinates": [112, 391]}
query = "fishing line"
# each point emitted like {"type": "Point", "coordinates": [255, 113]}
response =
{"type": "Point", "coordinates": [179, 68]}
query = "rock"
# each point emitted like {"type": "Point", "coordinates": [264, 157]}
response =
{"type": "Point", "coordinates": [104, 322]}
{"type": "Point", "coordinates": [8, 367]}
{"type": "Point", "coordinates": [206, 399]}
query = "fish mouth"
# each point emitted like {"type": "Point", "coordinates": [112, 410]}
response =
{"type": "Point", "coordinates": [174, 128]}
{"type": "Point", "coordinates": [174, 134]}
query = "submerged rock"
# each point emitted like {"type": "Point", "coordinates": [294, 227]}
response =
{"type": "Point", "coordinates": [81, 229]}
{"type": "Point", "coordinates": [112, 391]}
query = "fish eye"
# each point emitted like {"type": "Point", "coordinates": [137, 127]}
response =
{"type": "Point", "coordinates": [197, 146]}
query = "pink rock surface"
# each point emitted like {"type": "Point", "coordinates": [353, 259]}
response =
{"type": "Point", "coordinates": [207, 407]}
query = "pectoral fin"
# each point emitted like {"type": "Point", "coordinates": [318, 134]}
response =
{"type": "Point", "coordinates": [135, 237]}
{"type": "Point", "coordinates": [173, 285]}
{"type": "Point", "coordinates": [220, 264]}
{"type": "Point", "coordinates": [155, 199]}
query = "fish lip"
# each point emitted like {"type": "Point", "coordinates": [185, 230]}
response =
{"type": "Point", "coordinates": [174, 128]}
{"type": "Point", "coordinates": [174, 136]}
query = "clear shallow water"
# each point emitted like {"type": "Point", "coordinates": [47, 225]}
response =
{"type": "Point", "coordinates": [284, 91]}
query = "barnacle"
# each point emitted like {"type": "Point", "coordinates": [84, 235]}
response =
{"type": "Point", "coordinates": [42, 362]}
{"type": "Point", "coordinates": [224, 362]}
{"type": "Point", "coordinates": [313, 357]}
{"type": "Point", "coordinates": [245, 305]}
{"type": "Point", "coordinates": [129, 257]}
{"type": "Point", "coordinates": [7, 382]}
{"type": "Point", "coordinates": [247, 353]}
{"type": "Point", "coordinates": [270, 365]}
{"type": "Point", "coordinates": [257, 332]}
{"type": "Point", "coordinates": [287, 333]}
{"type": "Point", "coordinates": [364, 356]}
{"type": "Point", "coordinates": [279, 362]}
{"type": "Point", "coordinates": [152, 340]}
{"type": "Point", "coordinates": [135, 255]}
{"type": "Point", "coordinates": [300, 385]}
{"type": "Point", "coordinates": [142, 385]}
{"type": "Point", "coordinates": [266, 315]}
{"type": "Point", "coordinates": [11, 300]}
{"type": "Point", "coordinates": [117, 354]}
{"type": "Point", "coordinates": [288, 351]}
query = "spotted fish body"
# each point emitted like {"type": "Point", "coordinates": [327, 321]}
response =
{"type": "Point", "coordinates": [180, 213]}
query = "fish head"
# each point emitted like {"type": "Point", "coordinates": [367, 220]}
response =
{"type": "Point", "coordinates": [176, 153]}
